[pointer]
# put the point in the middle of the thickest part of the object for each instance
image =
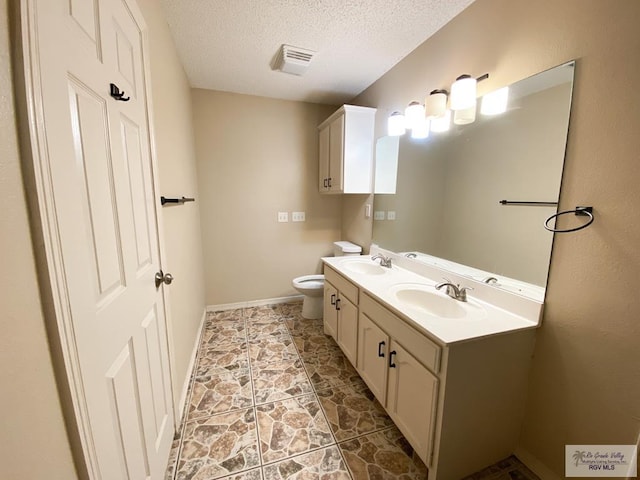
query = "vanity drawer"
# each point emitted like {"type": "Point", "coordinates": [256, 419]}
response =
{"type": "Point", "coordinates": [423, 349]}
{"type": "Point", "coordinates": [344, 286]}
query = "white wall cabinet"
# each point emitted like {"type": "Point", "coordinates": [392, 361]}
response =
{"type": "Point", "coordinates": [346, 141]}
{"type": "Point", "coordinates": [341, 313]}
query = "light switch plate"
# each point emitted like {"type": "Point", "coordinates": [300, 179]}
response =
{"type": "Point", "coordinates": [283, 217]}
{"type": "Point", "coordinates": [297, 216]}
{"type": "Point", "coordinates": [378, 215]}
{"type": "Point", "coordinates": [391, 215]}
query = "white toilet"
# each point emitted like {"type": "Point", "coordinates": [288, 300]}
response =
{"type": "Point", "coordinates": [312, 286]}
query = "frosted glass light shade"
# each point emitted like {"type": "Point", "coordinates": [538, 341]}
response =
{"type": "Point", "coordinates": [396, 124]}
{"type": "Point", "coordinates": [413, 114]}
{"type": "Point", "coordinates": [495, 102]}
{"type": "Point", "coordinates": [441, 124]}
{"type": "Point", "coordinates": [466, 116]}
{"type": "Point", "coordinates": [436, 103]}
{"type": "Point", "coordinates": [463, 92]}
{"type": "Point", "coordinates": [420, 129]}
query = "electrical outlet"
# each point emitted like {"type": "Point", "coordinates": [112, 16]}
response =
{"type": "Point", "coordinates": [283, 217]}
{"type": "Point", "coordinates": [378, 215]}
{"type": "Point", "coordinates": [297, 217]}
{"type": "Point", "coordinates": [391, 215]}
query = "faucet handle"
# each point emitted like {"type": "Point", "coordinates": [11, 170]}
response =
{"type": "Point", "coordinates": [462, 293]}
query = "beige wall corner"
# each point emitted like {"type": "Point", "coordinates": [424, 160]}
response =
{"type": "Point", "coordinates": [33, 435]}
{"type": "Point", "coordinates": [175, 156]}
{"type": "Point", "coordinates": [356, 227]}
{"type": "Point", "coordinates": [584, 385]}
{"type": "Point", "coordinates": [257, 157]}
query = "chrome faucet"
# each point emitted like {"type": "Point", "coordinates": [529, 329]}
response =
{"type": "Point", "coordinates": [411, 255]}
{"type": "Point", "coordinates": [454, 291]}
{"type": "Point", "coordinates": [384, 261]}
{"type": "Point", "coordinates": [490, 280]}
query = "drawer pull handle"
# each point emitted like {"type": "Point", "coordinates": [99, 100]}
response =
{"type": "Point", "coordinates": [325, 183]}
{"type": "Point", "coordinates": [380, 352]}
{"type": "Point", "coordinates": [391, 364]}
{"type": "Point", "coordinates": [338, 304]}
{"type": "Point", "coordinates": [329, 182]}
{"type": "Point", "coordinates": [333, 299]}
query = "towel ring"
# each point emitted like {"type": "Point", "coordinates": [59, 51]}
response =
{"type": "Point", "coordinates": [580, 211]}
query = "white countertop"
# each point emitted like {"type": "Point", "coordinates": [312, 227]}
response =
{"type": "Point", "coordinates": [491, 316]}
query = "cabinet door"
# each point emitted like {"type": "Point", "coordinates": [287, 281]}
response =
{"type": "Point", "coordinates": [373, 348]}
{"type": "Point", "coordinates": [411, 399]}
{"type": "Point", "coordinates": [336, 154]}
{"type": "Point", "coordinates": [330, 314]}
{"type": "Point", "coordinates": [347, 328]}
{"type": "Point", "coordinates": [323, 158]}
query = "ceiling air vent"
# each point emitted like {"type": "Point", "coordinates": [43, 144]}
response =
{"type": "Point", "coordinates": [293, 60]}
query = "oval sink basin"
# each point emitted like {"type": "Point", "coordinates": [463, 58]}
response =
{"type": "Point", "coordinates": [427, 300]}
{"type": "Point", "coordinates": [365, 267]}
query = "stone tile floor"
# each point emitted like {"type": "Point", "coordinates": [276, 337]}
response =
{"type": "Point", "coordinates": [272, 398]}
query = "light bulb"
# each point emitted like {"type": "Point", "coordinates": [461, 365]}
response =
{"type": "Point", "coordinates": [436, 103]}
{"type": "Point", "coordinates": [463, 92]}
{"type": "Point", "coordinates": [396, 124]}
{"type": "Point", "coordinates": [466, 116]}
{"type": "Point", "coordinates": [441, 124]}
{"type": "Point", "coordinates": [495, 102]}
{"type": "Point", "coordinates": [413, 114]}
{"type": "Point", "coordinates": [421, 129]}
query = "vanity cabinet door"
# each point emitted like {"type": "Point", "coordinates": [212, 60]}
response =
{"type": "Point", "coordinates": [347, 328]}
{"type": "Point", "coordinates": [373, 349]}
{"type": "Point", "coordinates": [411, 399]}
{"type": "Point", "coordinates": [330, 315]}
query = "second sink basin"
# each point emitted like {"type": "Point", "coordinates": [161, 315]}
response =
{"type": "Point", "coordinates": [426, 299]}
{"type": "Point", "coordinates": [366, 267]}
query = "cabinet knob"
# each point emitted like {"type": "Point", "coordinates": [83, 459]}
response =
{"type": "Point", "coordinates": [380, 352]}
{"type": "Point", "coordinates": [391, 364]}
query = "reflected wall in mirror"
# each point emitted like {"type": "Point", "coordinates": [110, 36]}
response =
{"type": "Point", "coordinates": [449, 187]}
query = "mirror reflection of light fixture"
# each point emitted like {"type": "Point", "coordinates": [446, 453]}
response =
{"type": "Point", "coordinates": [436, 103]}
{"type": "Point", "coordinates": [420, 129]}
{"type": "Point", "coordinates": [465, 116]}
{"type": "Point", "coordinates": [494, 103]}
{"type": "Point", "coordinates": [463, 92]}
{"type": "Point", "coordinates": [396, 124]}
{"type": "Point", "coordinates": [442, 123]}
{"type": "Point", "coordinates": [414, 114]}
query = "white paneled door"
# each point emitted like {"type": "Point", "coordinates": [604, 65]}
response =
{"type": "Point", "coordinates": [95, 183]}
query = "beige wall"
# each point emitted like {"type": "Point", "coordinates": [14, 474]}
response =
{"type": "Point", "coordinates": [256, 157]}
{"type": "Point", "coordinates": [33, 438]}
{"type": "Point", "coordinates": [584, 384]}
{"type": "Point", "coordinates": [172, 120]}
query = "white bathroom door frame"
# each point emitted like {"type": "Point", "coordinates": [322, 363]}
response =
{"type": "Point", "coordinates": [45, 222]}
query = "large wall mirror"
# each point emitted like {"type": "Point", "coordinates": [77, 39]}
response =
{"type": "Point", "coordinates": [446, 206]}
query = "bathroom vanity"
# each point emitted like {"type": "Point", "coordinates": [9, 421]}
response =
{"type": "Point", "coordinates": [452, 375]}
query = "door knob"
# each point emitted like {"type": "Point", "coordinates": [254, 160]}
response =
{"type": "Point", "coordinates": [162, 277]}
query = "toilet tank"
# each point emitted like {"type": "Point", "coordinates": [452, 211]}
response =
{"type": "Point", "coordinates": [346, 248]}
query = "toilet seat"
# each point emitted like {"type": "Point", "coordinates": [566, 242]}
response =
{"type": "Point", "coordinates": [309, 281]}
{"type": "Point", "coordinates": [312, 287]}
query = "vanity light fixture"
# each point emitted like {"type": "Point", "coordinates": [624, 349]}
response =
{"type": "Point", "coordinates": [494, 103]}
{"type": "Point", "coordinates": [420, 129]}
{"type": "Point", "coordinates": [442, 123]}
{"type": "Point", "coordinates": [436, 103]}
{"type": "Point", "coordinates": [464, 91]}
{"type": "Point", "coordinates": [414, 114]}
{"type": "Point", "coordinates": [396, 124]}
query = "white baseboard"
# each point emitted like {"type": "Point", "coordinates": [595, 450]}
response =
{"type": "Point", "coordinates": [535, 465]}
{"type": "Point", "coordinates": [253, 303]}
{"type": "Point", "coordinates": [185, 387]}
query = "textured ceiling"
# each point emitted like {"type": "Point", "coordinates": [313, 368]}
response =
{"type": "Point", "coordinates": [229, 45]}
